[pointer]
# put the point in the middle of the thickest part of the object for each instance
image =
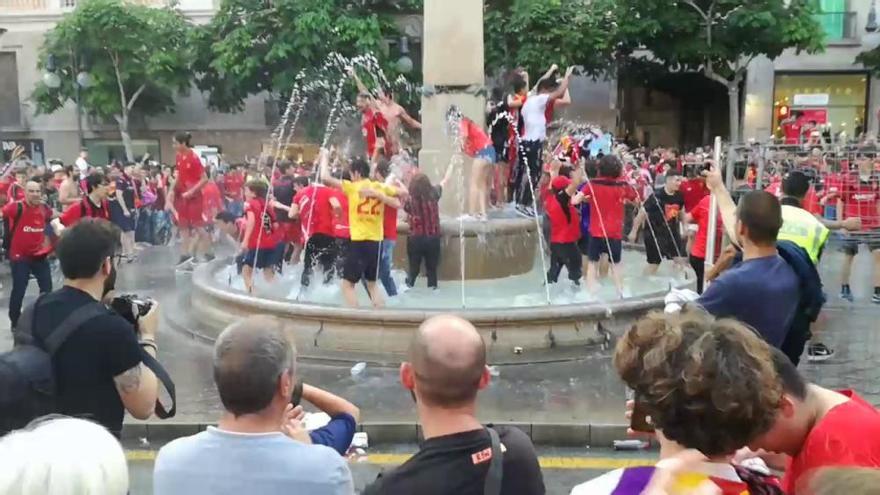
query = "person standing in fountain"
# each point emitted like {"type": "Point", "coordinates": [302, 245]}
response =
{"type": "Point", "coordinates": [260, 240]}
{"type": "Point", "coordinates": [366, 212]}
{"type": "Point", "coordinates": [565, 225]}
{"type": "Point", "coordinates": [476, 144]}
{"type": "Point", "coordinates": [423, 243]}
{"type": "Point", "coordinates": [186, 198]}
{"type": "Point", "coordinates": [381, 173]}
{"type": "Point", "coordinates": [534, 113]}
{"type": "Point", "coordinates": [607, 195]}
{"type": "Point", "coordinates": [391, 112]}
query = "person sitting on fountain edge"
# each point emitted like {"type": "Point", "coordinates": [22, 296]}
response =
{"type": "Point", "coordinates": [607, 195]}
{"type": "Point", "coordinates": [366, 213]}
{"type": "Point", "coordinates": [565, 223]}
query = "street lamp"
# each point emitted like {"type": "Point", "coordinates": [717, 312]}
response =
{"type": "Point", "coordinates": [404, 63]}
{"type": "Point", "coordinates": [872, 25]}
{"type": "Point", "coordinates": [81, 80]}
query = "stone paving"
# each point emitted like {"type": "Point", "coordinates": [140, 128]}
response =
{"type": "Point", "coordinates": [584, 391]}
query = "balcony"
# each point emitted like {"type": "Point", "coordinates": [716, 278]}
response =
{"type": "Point", "coordinates": [839, 27]}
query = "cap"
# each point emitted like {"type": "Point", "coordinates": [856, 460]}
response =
{"type": "Point", "coordinates": [560, 183]}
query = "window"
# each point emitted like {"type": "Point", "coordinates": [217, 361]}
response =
{"type": "Point", "coordinates": [103, 151]}
{"type": "Point", "coordinates": [836, 20]}
{"type": "Point", "coordinates": [10, 105]}
{"type": "Point", "coordinates": [837, 100]}
{"type": "Point", "coordinates": [68, 4]}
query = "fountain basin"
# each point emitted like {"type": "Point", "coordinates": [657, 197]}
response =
{"type": "Point", "coordinates": [512, 252]}
{"type": "Point", "coordinates": [513, 335]}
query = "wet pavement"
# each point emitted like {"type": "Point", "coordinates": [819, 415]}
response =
{"type": "Point", "coordinates": [584, 391]}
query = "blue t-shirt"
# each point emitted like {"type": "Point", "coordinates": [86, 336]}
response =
{"type": "Point", "coordinates": [585, 216]}
{"type": "Point", "coordinates": [217, 462]}
{"type": "Point", "coordinates": [762, 292]}
{"type": "Point", "coordinates": [337, 434]}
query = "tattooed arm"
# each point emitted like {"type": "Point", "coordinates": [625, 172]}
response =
{"type": "Point", "coordinates": [138, 388]}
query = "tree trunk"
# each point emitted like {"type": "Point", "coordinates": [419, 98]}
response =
{"type": "Point", "coordinates": [733, 98]}
{"type": "Point", "coordinates": [126, 137]}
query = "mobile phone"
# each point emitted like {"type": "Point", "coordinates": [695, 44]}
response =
{"type": "Point", "coordinates": [639, 421]}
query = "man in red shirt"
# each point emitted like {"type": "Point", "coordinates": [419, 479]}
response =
{"type": "Point", "coordinates": [28, 245]}
{"type": "Point", "coordinates": [93, 205]}
{"type": "Point", "coordinates": [565, 228]}
{"type": "Point", "coordinates": [187, 204]}
{"type": "Point", "coordinates": [606, 195]}
{"type": "Point", "coordinates": [819, 428]}
{"type": "Point", "coordinates": [700, 217]}
{"type": "Point", "coordinates": [313, 205]}
{"type": "Point", "coordinates": [233, 190]}
{"type": "Point", "coordinates": [860, 198]}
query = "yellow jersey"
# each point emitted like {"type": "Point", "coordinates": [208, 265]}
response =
{"type": "Point", "coordinates": [366, 215]}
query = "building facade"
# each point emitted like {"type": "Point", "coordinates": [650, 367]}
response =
{"type": "Point", "coordinates": [829, 88]}
{"type": "Point", "coordinates": [55, 136]}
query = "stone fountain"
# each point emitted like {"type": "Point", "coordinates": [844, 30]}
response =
{"type": "Point", "coordinates": [499, 254]}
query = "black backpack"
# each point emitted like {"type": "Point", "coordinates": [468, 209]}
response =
{"type": "Point", "coordinates": [27, 379]}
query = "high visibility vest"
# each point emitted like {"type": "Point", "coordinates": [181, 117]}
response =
{"type": "Point", "coordinates": [804, 229]}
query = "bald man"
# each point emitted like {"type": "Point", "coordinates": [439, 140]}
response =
{"type": "Point", "coordinates": [446, 368]}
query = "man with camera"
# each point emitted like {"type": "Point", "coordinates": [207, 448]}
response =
{"type": "Point", "coordinates": [99, 368]}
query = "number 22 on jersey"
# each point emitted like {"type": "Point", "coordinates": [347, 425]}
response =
{"type": "Point", "coordinates": [369, 206]}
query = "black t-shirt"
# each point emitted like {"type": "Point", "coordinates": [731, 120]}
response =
{"type": "Point", "coordinates": [86, 363]}
{"type": "Point", "coordinates": [450, 465]}
{"type": "Point", "coordinates": [663, 207]}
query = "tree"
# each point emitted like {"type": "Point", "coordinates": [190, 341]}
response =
{"type": "Point", "coordinates": [137, 56]}
{"type": "Point", "coordinates": [534, 34]}
{"type": "Point", "coordinates": [254, 46]}
{"type": "Point", "coordinates": [718, 38]}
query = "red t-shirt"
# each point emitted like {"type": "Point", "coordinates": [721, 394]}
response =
{"type": "Point", "coordinates": [315, 213]}
{"type": "Point", "coordinates": [29, 237]}
{"type": "Point", "coordinates": [475, 139]}
{"type": "Point", "coordinates": [563, 229]}
{"type": "Point", "coordinates": [792, 131]}
{"type": "Point", "coordinates": [848, 435]}
{"type": "Point", "coordinates": [833, 188]}
{"type": "Point", "coordinates": [389, 223]}
{"type": "Point", "coordinates": [341, 228]}
{"type": "Point", "coordinates": [607, 196]}
{"type": "Point", "coordinates": [212, 198]}
{"type": "Point", "coordinates": [189, 171]}
{"type": "Point", "coordinates": [700, 214]}
{"type": "Point", "coordinates": [371, 122]}
{"type": "Point", "coordinates": [84, 209]}
{"type": "Point", "coordinates": [233, 182]}
{"type": "Point", "coordinates": [861, 199]}
{"type": "Point", "coordinates": [268, 239]}
{"type": "Point", "coordinates": [693, 191]}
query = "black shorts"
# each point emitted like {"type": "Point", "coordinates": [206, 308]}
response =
{"type": "Point", "coordinates": [870, 238]}
{"type": "Point", "coordinates": [361, 261]}
{"type": "Point", "coordinates": [584, 245]}
{"type": "Point", "coordinates": [600, 245]}
{"type": "Point", "coordinates": [664, 246]}
{"type": "Point", "coordinates": [261, 258]}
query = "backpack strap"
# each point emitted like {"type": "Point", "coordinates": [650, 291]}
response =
{"type": "Point", "coordinates": [492, 485]}
{"type": "Point", "coordinates": [23, 333]}
{"type": "Point", "coordinates": [74, 320]}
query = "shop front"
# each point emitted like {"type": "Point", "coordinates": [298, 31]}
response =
{"type": "Point", "coordinates": [832, 105]}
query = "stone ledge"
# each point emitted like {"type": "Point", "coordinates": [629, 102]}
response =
{"type": "Point", "coordinates": [396, 433]}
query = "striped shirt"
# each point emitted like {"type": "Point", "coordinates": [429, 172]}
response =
{"type": "Point", "coordinates": [424, 215]}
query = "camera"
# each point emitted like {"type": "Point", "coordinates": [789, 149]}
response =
{"type": "Point", "coordinates": [131, 307]}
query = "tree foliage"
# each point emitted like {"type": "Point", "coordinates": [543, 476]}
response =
{"type": "Point", "coordinates": [534, 34]}
{"type": "Point", "coordinates": [137, 57]}
{"type": "Point", "coordinates": [254, 46]}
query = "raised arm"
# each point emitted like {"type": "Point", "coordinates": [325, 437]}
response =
{"type": "Point", "coordinates": [324, 170]}
{"type": "Point", "coordinates": [330, 403]}
{"type": "Point", "coordinates": [362, 88]}
{"type": "Point", "coordinates": [553, 68]}
{"type": "Point", "coordinates": [415, 124]}
{"type": "Point", "coordinates": [563, 87]}
{"type": "Point", "coordinates": [725, 202]}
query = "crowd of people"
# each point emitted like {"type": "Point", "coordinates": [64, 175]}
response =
{"type": "Point", "coordinates": [715, 377]}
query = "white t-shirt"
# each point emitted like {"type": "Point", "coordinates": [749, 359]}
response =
{"type": "Point", "coordinates": [534, 114]}
{"type": "Point", "coordinates": [82, 165]}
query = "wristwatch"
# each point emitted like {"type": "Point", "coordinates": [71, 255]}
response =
{"type": "Point", "coordinates": [297, 394]}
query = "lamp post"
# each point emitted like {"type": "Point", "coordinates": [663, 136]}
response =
{"type": "Point", "coordinates": [81, 80]}
{"type": "Point", "coordinates": [404, 63]}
